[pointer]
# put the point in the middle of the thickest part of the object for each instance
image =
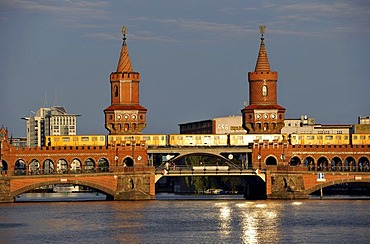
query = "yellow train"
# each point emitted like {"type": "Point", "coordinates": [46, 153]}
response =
{"type": "Point", "coordinates": [197, 140]}
{"type": "Point", "coordinates": [245, 139]}
{"type": "Point", "coordinates": [150, 139]}
{"type": "Point", "coordinates": [77, 140]}
{"type": "Point", "coordinates": [360, 139]}
{"type": "Point", "coordinates": [163, 140]}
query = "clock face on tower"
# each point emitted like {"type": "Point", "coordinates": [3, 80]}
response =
{"type": "Point", "coordinates": [119, 117]}
{"type": "Point", "coordinates": [258, 116]}
{"type": "Point", "coordinates": [265, 116]}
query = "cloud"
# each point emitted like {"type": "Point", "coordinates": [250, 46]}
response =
{"type": "Point", "coordinates": [64, 8]}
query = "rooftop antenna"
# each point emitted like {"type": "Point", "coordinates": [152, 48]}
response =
{"type": "Point", "coordinates": [45, 102]}
{"type": "Point", "coordinates": [56, 99]}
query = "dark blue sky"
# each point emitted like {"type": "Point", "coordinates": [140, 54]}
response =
{"type": "Point", "coordinates": [193, 57]}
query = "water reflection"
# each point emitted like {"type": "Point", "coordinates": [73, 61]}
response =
{"type": "Point", "coordinates": [224, 218]}
{"type": "Point", "coordinates": [259, 223]}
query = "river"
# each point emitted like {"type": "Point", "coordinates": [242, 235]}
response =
{"type": "Point", "coordinates": [183, 219]}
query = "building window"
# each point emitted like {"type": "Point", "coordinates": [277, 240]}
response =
{"type": "Point", "coordinates": [264, 91]}
{"type": "Point", "coordinates": [116, 91]}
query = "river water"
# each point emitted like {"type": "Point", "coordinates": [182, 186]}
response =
{"type": "Point", "coordinates": [183, 219]}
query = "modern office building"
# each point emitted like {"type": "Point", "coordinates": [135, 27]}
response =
{"type": "Point", "coordinates": [222, 125]}
{"type": "Point", "coordinates": [49, 121]}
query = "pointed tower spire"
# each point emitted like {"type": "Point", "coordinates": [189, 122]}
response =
{"type": "Point", "coordinates": [124, 63]}
{"type": "Point", "coordinates": [262, 60]}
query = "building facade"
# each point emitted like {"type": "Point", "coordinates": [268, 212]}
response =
{"type": "Point", "coordinates": [222, 125]}
{"type": "Point", "coordinates": [54, 121]}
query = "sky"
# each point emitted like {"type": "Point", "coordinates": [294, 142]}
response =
{"type": "Point", "coordinates": [193, 57]}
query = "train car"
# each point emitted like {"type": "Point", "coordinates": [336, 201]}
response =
{"type": "Point", "coordinates": [150, 139]}
{"type": "Point", "coordinates": [320, 139]}
{"type": "Point", "coordinates": [76, 140]}
{"type": "Point", "coordinates": [245, 139]}
{"type": "Point", "coordinates": [197, 140]}
{"type": "Point", "coordinates": [360, 139]}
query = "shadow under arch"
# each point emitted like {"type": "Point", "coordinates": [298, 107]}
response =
{"type": "Point", "coordinates": [110, 193]}
{"type": "Point", "coordinates": [334, 182]}
{"type": "Point", "coordinates": [227, 161]}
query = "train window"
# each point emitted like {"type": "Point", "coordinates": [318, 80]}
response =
{"type": "Point", "coordinates": [94, 138]}
{"type": "Point", "coordinates": [319, 137]}
{"type": "Point", "coordinates": [354, 137]}
{"type": "Point", "coordinates": [147, 138]}
{"type": "Point", "coordinates": [84, 138]}
{"type": "Point", "coordinates": [338, 137]}
{"type": "Point", "coordinates": [362, 137]}
{"type": "Point", "coordinates": [65, 139]}
{"type": "Point", "coordinates": [197, 138]}
{"type": "Point", "coordinates": [328, 137]}
{"type": "Point", "coordinates": [102, 138]}
{"type": "Point", "coordinates": [345, 137]}
{"type": "Point", "coordinates": [310, 137]}
{"type": "Point", "coordinates": [75, 139]}
{"type": "Point", "coordinates": [56, 139]}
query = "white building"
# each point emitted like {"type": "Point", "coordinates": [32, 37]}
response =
{"type": "Point", "coordinates": [49, 121]}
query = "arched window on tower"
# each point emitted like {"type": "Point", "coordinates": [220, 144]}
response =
{"type": "Point", "coordinates": [264, 91]}
{"type": "Point", "coordinates": [116, 91]}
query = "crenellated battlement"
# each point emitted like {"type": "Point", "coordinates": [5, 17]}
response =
{"type": "Point", "coordinates": [125, 75]}
{"type": "Point", "coordinates": [263, 75]}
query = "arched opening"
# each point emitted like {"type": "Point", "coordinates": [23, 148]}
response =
{"type": "Point", "coordinates": [322, 164]}
{"type": "Point", "coordinates": [20, 167]}
{"type": "Point", "coordinates": [75, 166]}
{"type": "Point", "coordinates": [62, 166]}
{"type": "Point", "coordinates": [363, 164]}
{"type": "Point", "coordinates": [271, 161]}
{"type": "Point", "coordinates": [264, 91]}
{"type": "Point", "coordinates": [309, 162]}
{"type": "Point", "coordinates": [89, 166]}
{"type": "Point", "coordinates": [34, 167]}
{"type": "Point", "coordinates": [336, 164]}
{"type": "Point", "coordinates": [295, 161]}
{"type": "Point", "coordinates": [350, 164]}
{"type": "Point", "coordinates": [3, 166]}
{"type": "Point", "coordinates": [128, 162]}
{"type": "Point", "coordinates": [103, 165]}
{"type": "Point", "coordinates": [48, 167]}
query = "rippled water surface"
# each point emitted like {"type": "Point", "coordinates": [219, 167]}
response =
{"type": "Point", "coordinates": [186, 219]}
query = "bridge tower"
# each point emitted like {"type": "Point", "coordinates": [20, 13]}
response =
{"type": "Point", "coordinates": [263, 115]}
{"type": "Point", "coordinates": [125, 115]}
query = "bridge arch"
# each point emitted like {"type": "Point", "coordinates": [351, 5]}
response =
{"type": "Point", "coordinates": [95, 186]}
{"type": "Point", "coordinates": [76, 166]}
{"type": "Point", "coordinates": [103, 165]}
{"type": "Point", "coordinates": [217, 156]}
{"type": "Point", "coordinates": [271, 160]}
{"type": "Point", "coordinates": [89, 165]}
{"type": "Point", "coordinates": [3, 166]}
{"type": "Point", "coordinates": [128, 161]}
{"type": "Point", "coordinates": [295, 161]}
{"type": "Point", "coordinates": [349, 164]}
{"type": "Point", "coordinates": [62, 166]}
{"type": "Point", "coordinates": [309, 162]}
{"type": "Point", "coordinates": [34, 167]}
{"type": "Point", "coordinates": [363, 164]}
{"type": "Point", "coordinates": [48, 166]}
{"type": "Point", "coordinates": [336, 164]}
{"type": "Point", "coordinates": [323, 163]}
{"type": "Point", "coordinates": [20, 167]}
{"type": "Point", "coordinates": [334, 182]}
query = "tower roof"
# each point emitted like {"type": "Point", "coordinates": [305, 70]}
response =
{"type": "Point", "coordinates": [262, 60]}
{"type": "Point", "coordinates": [124, 63]}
